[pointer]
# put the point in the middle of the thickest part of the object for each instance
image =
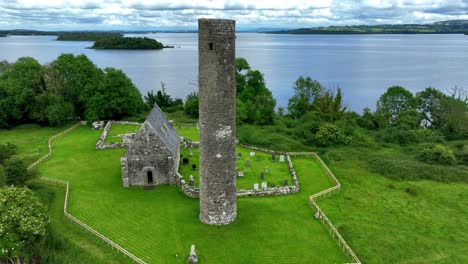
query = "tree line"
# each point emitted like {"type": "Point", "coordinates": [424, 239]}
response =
{"type": "Point", "coordinates": [69, 88]}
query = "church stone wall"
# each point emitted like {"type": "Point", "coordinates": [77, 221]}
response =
{"type": "Point", "coordinates": [148, 153]}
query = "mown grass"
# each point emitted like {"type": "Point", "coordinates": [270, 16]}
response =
{"type": "Point", "coordinates": [189, 132]}
{"type": "Point", "coordinates": [160, 225]}
{"type": "Point", "coordinates": [65, 242]}
{"type": "Point", "coordinates": [397, 221]}
{"type": "Point", "coordinates": [277, 171]}
{"type": "Point", "coordinates": [120, 129]}
{"type": "Point", "coordinates": [31, 139]}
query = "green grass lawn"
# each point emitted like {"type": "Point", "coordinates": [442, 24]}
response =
{"type": "Point", "coordinates": [188, 132]}
{"type": "Point", "coordinates": [31, 140]}
{"type": "Point", "coordinates": [68, 243]}
{"type": "Point", "coordinates": [119, 129]}
{"type": "Point", "coordinates": [277, 171]}
{"type": "Point", "coordinates": [157, 225]}
{"type": "Point", "coordinates": [390, 221]}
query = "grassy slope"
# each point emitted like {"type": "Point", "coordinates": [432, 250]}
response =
{"type": "Point", "coordinates": [73, 244]}
{"type": "Point", "coordinates": [277, 171]}
{"type": "Point", "coordinates": [157, 225]}
{"type": "Point", "coordinates": [384, 223]}
{"type": "Point", "coordinates": [31, 140]}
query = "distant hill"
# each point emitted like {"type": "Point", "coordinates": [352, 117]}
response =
{"type": "Point", "coordinates": [87, 36]}
{"type": "Point", "coordinates": [441, 27]}
{"type": "Point", "coordinates": [27, 32]}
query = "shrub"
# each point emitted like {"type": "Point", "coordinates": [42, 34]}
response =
{"type": "Point", "coordinates": [437, 154]}
{"type": "Point", "coordinates": [330, 134]}
{"type": "Point", "coordinates": [411, 190]}
{"type": "Point", "coordinates": [395, 135]}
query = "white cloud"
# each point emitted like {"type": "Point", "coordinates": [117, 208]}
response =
{"type": "Point", "coordinates": [92, 14]}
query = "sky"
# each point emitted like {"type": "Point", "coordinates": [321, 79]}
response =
{"type": "Point", "coordinates": [249, 14]}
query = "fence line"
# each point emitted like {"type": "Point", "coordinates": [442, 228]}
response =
{"type": "Point", "coordinates": [324, 219]}
{"type": "Point", "coordinates": [67, 195]}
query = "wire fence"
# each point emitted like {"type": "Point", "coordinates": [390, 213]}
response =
{"type": "Point", "coordinates": [51, 141]}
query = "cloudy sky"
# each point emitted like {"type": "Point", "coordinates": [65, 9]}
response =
{"type": "Point", "coordinates": [170, 14]}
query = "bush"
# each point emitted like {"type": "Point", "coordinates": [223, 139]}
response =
{"type": "Point", "coordinates": [6, 151]}
{"type": "Point", "coordinates": [395, 135]}
{"type": "Point", "coordinates": [16, 172]}
{"type": "Point", "coordinates": [437, 154]}
{"type": "Point", "coordinates": [330, 134]}
{"type": "Point", "coordinates": [411, 190]}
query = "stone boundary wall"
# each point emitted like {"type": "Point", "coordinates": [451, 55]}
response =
{"type": "Point", "coordinates": [67, 195]}
{"type": "Point", "coordinates": [271, 191]}
{"type": "Point", "coordinates": [101, 144]}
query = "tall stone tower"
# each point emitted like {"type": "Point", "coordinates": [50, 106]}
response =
{"type": "Point", "coordinates": [217, 98]}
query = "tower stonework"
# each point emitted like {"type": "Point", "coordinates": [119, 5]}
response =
{"type": "Point", "coordinates": [217, 108]}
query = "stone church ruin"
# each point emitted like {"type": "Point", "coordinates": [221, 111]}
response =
{"type": "Point", "coordinates": [153, 155]}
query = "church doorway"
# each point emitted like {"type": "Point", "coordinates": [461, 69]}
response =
{"type": "Point", "coordinates": [149, 176]}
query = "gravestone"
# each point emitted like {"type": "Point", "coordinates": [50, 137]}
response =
{"type": "Point", "coordinates": [273, 157]}
{"type": "Point", "coordinates": [264, 185]}
{"type": "Point", "coordinates": [252, 154]}
{"type": "Point", "coordinates": [286, 183]}
{"type": "Point", "coordinates": [192, 258]}
{"type": "Point", "coordinates": [239, 155]}
{"type": "Point", "coordinates": [258, 158]}
{"type": "Point", "coordinates": [255, 186]}
{"type": "Point", "coordinates": [191, 181]}
{"type": "Point", "coordinates": [266, 170]}
{"type": "Point", "coordinates": [262, 176]}
{"type": "Point", "coordinates": [191, 152]}
{"type": "Point", "coordinates": [240, 174]}
{"type": "Point", "coordinates": [185, 161]}
{"type": "Point", "coordinates": [281, 158]}
{"type": "Point", "coordinates": [247, 163]}
{"type": "Point", "coordinates": [194, 167]}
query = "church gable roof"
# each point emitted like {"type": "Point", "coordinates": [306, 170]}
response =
{"type": "Point", "coordinates": [160, 125]}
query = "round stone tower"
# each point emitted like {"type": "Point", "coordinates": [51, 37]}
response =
{"type": "Point", "coordinates": [217, 98]}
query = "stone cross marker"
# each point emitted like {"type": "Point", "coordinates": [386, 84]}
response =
{"type": "Point", "coordinates": [281, 158]}
{"type": "Point", "coordinates": [273, 157]}
{"type": "Point", "coordinates": [264, 185]}
{"type": "Point", "coordinates": [255, 186]}
{"type": "Point", "coordinates": [191, 152]}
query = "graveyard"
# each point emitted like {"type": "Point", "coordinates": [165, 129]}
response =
{"type": "Point", "coordinates": [250, 168]}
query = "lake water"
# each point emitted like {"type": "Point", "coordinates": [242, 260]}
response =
{"type": "Point", "coordinates": [364, 66]}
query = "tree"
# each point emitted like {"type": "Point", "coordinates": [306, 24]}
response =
{"type": "Point", "coordinates": [241, 66]}
{"type": "Point", "coordinates": [191, 105]}
{"type": "Point", "coordinates": [453, 118]}
{"type": "Point", "coordinates": [306, 92]}
{"type": "Point", "coordinates": [394, 102]}
{"type": "Point", "coordinates": [23, 224]}
{"type": "Point", "coordinates": [258, 102]}
{"type": "Point", "coordinates": [330, 106]}
{"type": "Point", "coordinates": [116, 98]}
{"type": "Point", "coordinates": [429, 105]}
{"type": "Point", "coordinates": [6, 151]}
{"type": "Point", "coordinates": [16, 172]}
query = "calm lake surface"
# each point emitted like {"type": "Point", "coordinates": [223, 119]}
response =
{"type": "Point", "coordinates": [364, 66]}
